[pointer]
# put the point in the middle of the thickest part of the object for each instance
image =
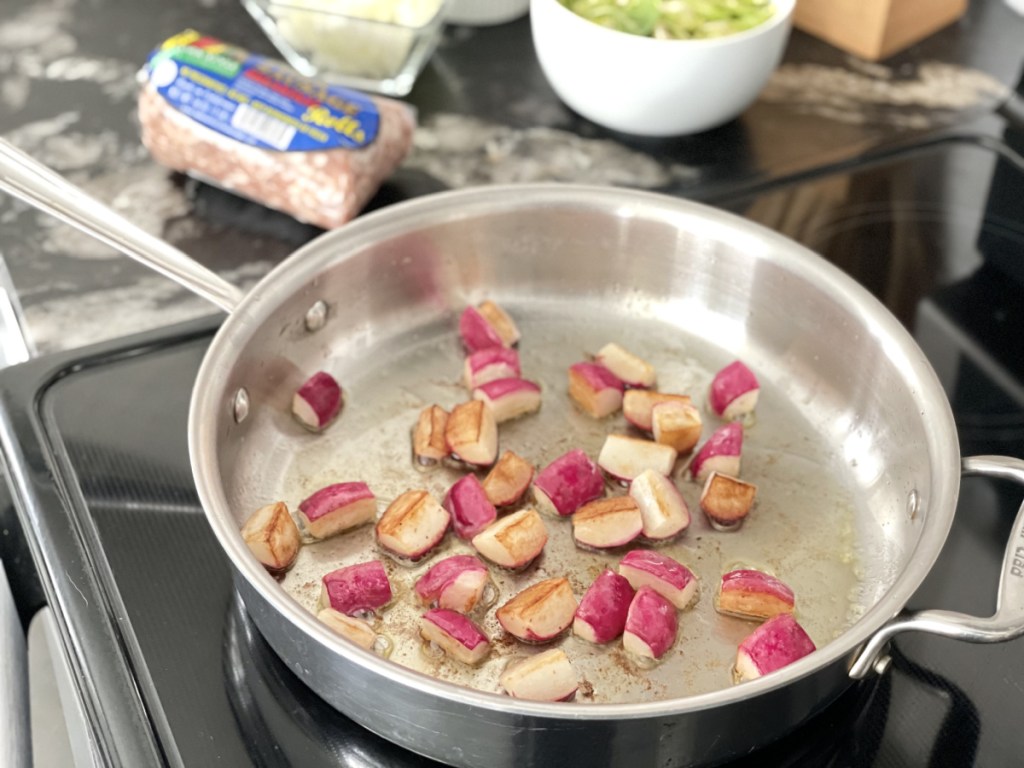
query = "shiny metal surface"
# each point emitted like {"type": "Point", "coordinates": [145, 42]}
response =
{"type": "Point", "coordinates": [31, 181]}
{"type": "Point", "coordinates": [1006, 623]}
{"type": "Point", "coordinates": [15, 736]}
{"type": "Point", "coordinates": [820, 339]}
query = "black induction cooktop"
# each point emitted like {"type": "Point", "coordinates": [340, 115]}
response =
{"type": "Point", "coordinates": [171, 670]}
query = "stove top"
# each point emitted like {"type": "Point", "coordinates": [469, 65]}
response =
{"type": "Point", "coordinates": [172, 671]}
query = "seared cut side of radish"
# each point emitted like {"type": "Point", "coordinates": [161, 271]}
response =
{"type": "Point", "coordinates": [356, 589]}
{"type": "Point", "coordinates": [595, 389]}
{"type": "Point", "coordinates": [428, 441]}
{"type": "Point", "coordinates": [469, 506]}
{"type": "Point", "coordinates": [601, 615]}
{"type": "Point", "coordinates": [456, 583]}
{"type": "Point", "coordinates": [509, 480]}
{"type": "Point", "coordinates": [721, 453]}
{"type": "Point", "coordinates": [752, 594]}
{"type": "Point", "coordinates": [540, 612]}
{"type": "Point", "coordinates": [567, 483]}
{"type": "Point", "coordinates": [633, 371]}
{"type": "Point", "coordinates": [734, 391]}
{"type": "Point", "coordinates": [317, 402]}
{"type": "Point", "coordinates": [624, 458]}
{"type": "Point", "coordinates": [412, 525]}
{"type": "Point", "coordinates": [476, 332]}
{"type": "Point", "coordinates": [509, 398]}
{"type": "Point", "coordinates": [513, 541]}
{"type": "Point", "coordinates": [773, 645]}
{"type": "Point", "coordinates": [456, 635]}
{"type": "Point", "coordinates": [546, 676]}
{"type": "Point", "coordinates": [337, 508]}
{"type": "Point", "coordinates": [651, 625]}
{"type": "Point", "coordinates": [638, 405]}
{"type": "Point", "coordinates": [472, 433]}
{"type": "Point", "coordinates": [607, 523]}
{"type": "Point", "coordinates": [663, 509]}
{"type": "Point", "coordinates": [272, 537]}
{"type": "Point", "coordinates": [667, 577]}
{"type": "Point", "coordinates": [726, 501]}
{"type": "Point", "coordinates": [490, 364]}
{"type": "Point", "coordinates": [676, 424]}
{"type": "Point", "coordinates": [500, 321]}
{"type": "Point", "coordinates": [358, 631]}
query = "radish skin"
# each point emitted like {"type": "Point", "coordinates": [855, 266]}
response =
{"type": "Point", "coordinates": [775, 644]}
{"type": "Point", "coordinates": [721, 453]}
{"type": "Point", "coordinates": [601, 615]}
{"type": "Point", "coordinates": [595, 389]}
{"type": "Point", "coordinates": [753, 594]}
{"type": "Point", "coordinates": [469, 507]}
{"type": "Point", "coordinates": [317, 402]}
{"type": "Point", "coordinates": [509, 398]}
{"type": "Point", "coordinates": [668, 577]}
{"type": "Point", "coordinates": [490, 364]}
{"type": "Point", "coordinates": [734, 391]}
{"type": "Point", "coordinates": [567, 483]}
{"type": "Point", "coordinates": [356, 589]}
{"type": "Point", "coordinates": [651, 625]}
{"type": "Point", "coordinates": [456, 583]}
{"type": "Point", "coordinates": [476, 332]}
{"type": "Point", "coordinates": [337, 508]}
{"type": "Point", "coordinates": [456, 635]}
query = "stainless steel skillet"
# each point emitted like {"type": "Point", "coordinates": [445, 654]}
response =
{"type": "Point", "coordinates": [851, 410]}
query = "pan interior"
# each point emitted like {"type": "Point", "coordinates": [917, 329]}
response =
{"type": "Point", "coordinates": [839, 449]}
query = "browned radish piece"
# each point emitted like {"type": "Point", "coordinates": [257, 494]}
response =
{"type": "Point", "coordinates": [469, 506]}
{"type": "Point", "coordinates": [471, 433]}
{"type": "Point", "coordinates": [428, 441]}
{"type": "Point", "coordinates": [595, 389]}
{"type": "Point", "coordinates": [651, 625]}
{"type": "Point", "coordinates": [773, 645]}
{"type": "Point", "coordinates": [726, 501]}
{"type": "Point", "coordinates": [637, 405]}
{"type": "Point", "coordinates": [632, 370]}
{"type": "Point", "coordinates": [601, 615]}
{"type": "Point", "coordinates": [412, 525]}
{"type": "Point", "coordinates": [356, 589]}
{"type": "Point", "coordinates": [508, 480]}
{"type": "Point", "coordinates": [546, 676]}
{"type": "Point", "coordinates": [509, 398]}
{"type": "Point", "coordinates": [456, 583]}
{"type": "Point", "coordinates": [317, 402]}
{"type": "Point", "coordinates": [667, 577]}
{"type": "Point", "coordinates": [490, 364]}
{"type": "Point", "coordinates": [607, 523]}
{"type": "Point", "coordinates": [676, 424]}
{"type": "Point", "coordinates": [539, 613]}
{"type": "Point", "coordinates": [567, 483]}
{"type": "Point", "coordinates": [272, 537]}
{"type": "Point", "coordinates": [500, 321]}
{"type": "Point", "coordinates": [721, 453]}
{"type": "Point", "coordinates": [358, 631]}
{"type": "Point", "coordinates": [662, 507]}
{"type": "Point", "coordinates": [624, 458]}
{"type": "Point", "coordinates": [513, 541]}
{"type": "Point", "coordinates": [336, 508]}
{"type": "Point", "coordinates": [476, 332]}
{"type": "Point", "coordinates": [734, 391]}
{"type": "Point", "coordinates": [753, 594]}
{"type": "Point", "coordinates": [456, 635]}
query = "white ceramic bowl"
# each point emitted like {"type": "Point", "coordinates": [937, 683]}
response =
{"type": "Point", "coordinates": [652, 87]}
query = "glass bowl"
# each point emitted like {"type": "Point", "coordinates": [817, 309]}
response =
{"type": "Point", "coordinates": [373, 45]}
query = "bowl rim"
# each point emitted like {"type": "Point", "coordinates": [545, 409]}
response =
{"type": "Point", "coordinates": [782, 16]}
{"type": "Point", "coordinates": [439, 16]}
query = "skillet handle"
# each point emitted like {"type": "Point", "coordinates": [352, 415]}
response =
{"type": "Point", "coordinates": [1008, 620]}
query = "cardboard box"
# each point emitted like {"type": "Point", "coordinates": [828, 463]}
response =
{"type": "Point", "coordinates": [875, 29]}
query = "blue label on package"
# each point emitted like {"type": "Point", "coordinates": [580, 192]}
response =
{"type": "Point", "coordinates": [257, 100]}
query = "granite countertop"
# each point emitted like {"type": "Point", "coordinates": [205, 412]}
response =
{"type": "Point", "coordinates": [486, 115]}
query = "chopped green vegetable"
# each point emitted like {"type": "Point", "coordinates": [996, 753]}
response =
{"type": "Point", "coordinates": [674, 19]}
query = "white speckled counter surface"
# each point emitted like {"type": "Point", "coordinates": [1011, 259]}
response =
{"type": "Point", "coordinates": [486, 115]}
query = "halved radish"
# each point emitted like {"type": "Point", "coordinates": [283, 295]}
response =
{"type": "Point", "coordinates": [513, 541]}
{"type": "Point", "coordinates": [651, 625]}
{"type": "Point", "coordinates": [721, 453]}
{"type": "Point", "coordinates": [456, 583]}
{"type": "Point", "coordinates": [607, 523]}
{"type": "Point", "coordinates": [272, 537]}
{"type": "Point", "coordinates": [667, 577]}
{"type": "Point", "coordinates": [539, 613]}
{"type": "Point", "coordinates": [545, 676]}
{"type": "Point", "coordinates": [753, 594]}
{"type": "Point", "coordinates": [337, 508]}
{"type": "Point", "coordinates": [662, 507]}
{"type": "Point", "coordinates": [726, 501]}
{"type": "Point", "coordinates": [469, 506]}
{"type": "Point", "coordinates": [567, 483]}
{"type": "Point", "coordinates": [775, 644]}
{"type": "Point", "coordinates": [509, 480]}
{"type": "Point", "coordinates": [632, 370]}
{"type": "Point", "coordinates": [471, 433]}
{"type": "Point", "coordinates": [476, 332]}
{"type": "Point", "coordinates": [356, 589]}
{"type": "Point", "coordinates": [509, 398]}
{"type": "Point", "coordinates": [595, 389]}
{"type": "Point", "coordinates": [624, 457]}
{"type": "Point", "coordinates": [734, 391]}
{"type": "Point", "coordinates": [500, 321]}
{"type": "Point", "coordinates": [428, 442]}
{"type": "Point", "coordinates": [456, 635]}
{"type": "Point", "coordinates": [638, 404]}
{"type": "Point", "coordinates": [601, 615]}
{"type": "Point", "coordinates": [490, 364]}
{"type": "Point", "coordinates": [412, 525]}
{"type": "Point", "coordinates": [318, 401]}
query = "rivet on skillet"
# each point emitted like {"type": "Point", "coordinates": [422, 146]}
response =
{"type": "Point", "coordinates": [882, 664]}
{"type": "Point", "coordinates": [240, 405]}
{"type": "Point", "coordinates": [316, 316]}
{"type": "Point", "coordinates": [913, 504]}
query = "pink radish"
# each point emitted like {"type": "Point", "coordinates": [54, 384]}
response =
{"type": "Point", "coordinates": [662, 507]}
{"type": "Point", "coordinates": [726, 501]}
{"type": "Point", "coordinates": [456, 635]}
{"type": "Point", "coordinates": [595, 389]}
{"type": "Point", "coordinates": [667, 577]}
{"type": "Point", "coordinates": [412, 525]}
{"type": "Point", "coordinates": [651, 625]}
{"type": "Point", "coordinates": [601, 615]}
{"type": "Point", "coordinates": [638, 404]}
{"type": "Point", "coordinates": [317, 402]}
{"type": "Point", "coordinates": [607, 523]}
{"type": "Point", "coordinates": [500, 321]}
{"type": "Point", "coordinates": [567, 483]}
{"type": "Point", "coordinates": [721, 453]}
{"type": "Point", "coordinates": [509, 480]}
{"type": "Point", "coordinates": [337, 508]}
{"type": "Point", "coordinates": [428, 442]}
{"type": "Point", "coordinates": [358, 631]}
{"type": "Point", "coordinates": [476, 332]}
{"type": "Point", "coordinates": [513, 541]}
{"type": "Point", "coordinates": [773, 645]}
{"type": "Point", "coordinates": [471, 433]}
{"type": "Point", "coordinates": [469, 506]}
{"type": "Point", "coordinates": [272, 537]}
{"type": "Point", "coordinates": [632, 370]}
{"type": "Point", "coordinates": [623, 457]}
{"type": "Point", "coordinates": [509, 398]}
{"type": "Point", "coordinates": [734, 391]}
{"type": "Point", "coordinates": [539, 613]}
{"type": "Point", "coordinates": [356, 589]}
{"type": "Point", "coordinates": [753, 594]}
{"type": "Point", "coordinates": [545, 676]}
{"type": "Point", "coordinates": [676, 424]}
{"type": "Point", "coordinates": [456, 583]}
{"type": "Point", "coordinates": [490, 364]}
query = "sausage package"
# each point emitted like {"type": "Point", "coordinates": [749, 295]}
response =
{"type": "Point", "coordinates": [255, 127]}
